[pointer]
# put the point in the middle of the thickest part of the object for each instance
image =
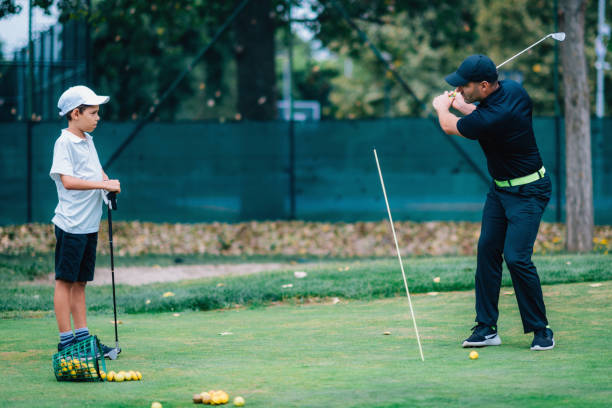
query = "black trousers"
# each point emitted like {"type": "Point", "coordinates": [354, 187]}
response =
{"type": "Point", "coordinates": [510, 222]}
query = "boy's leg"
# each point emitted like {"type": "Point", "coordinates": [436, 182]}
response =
{"type": "Point", "coordinates": [78, 306]}
{"type": "Point", "coordinates": [69, 251]}
{"type": "Point", "coordinates": [62, 305]}
{"type": "Point", "coordinates": [86, 274]}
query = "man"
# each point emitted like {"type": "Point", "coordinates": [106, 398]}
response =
{"type": "Point", "coordinates": [517, 197]}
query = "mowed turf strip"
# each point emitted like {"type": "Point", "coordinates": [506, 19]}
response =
{"type": "Point", "coordinates": [348, 279]}
{"type": "Point", "coordinates": [331, 355]}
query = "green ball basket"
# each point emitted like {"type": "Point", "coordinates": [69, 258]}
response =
{"type": "Point", "coordinates": [83, 361]}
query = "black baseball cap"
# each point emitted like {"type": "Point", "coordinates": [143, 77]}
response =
{"type": "Point", "coordinates": [474, 68]}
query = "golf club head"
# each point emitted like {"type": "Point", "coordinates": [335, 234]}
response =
{"type": "Point", "coordinates": [113, 354]}
{"type": "Point", "coordinates": [558, 36]}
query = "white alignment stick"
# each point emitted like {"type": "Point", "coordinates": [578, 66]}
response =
{"type": "Point", "coordinates": [382, 183]}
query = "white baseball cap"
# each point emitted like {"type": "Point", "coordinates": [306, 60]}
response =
{"type": "Point", "coordinates": [76, 96]}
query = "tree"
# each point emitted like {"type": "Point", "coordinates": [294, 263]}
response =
{"type": "Point", "coordinates": [262, 190]}
{"type": "Point", "coordinates": [255, 59]}
{"type": "Point", "coordinates": [579, 181]}
{"type": "Point", "coordinates": [140, 47]}
{"type": "Point", "coordinates": [421, 39]}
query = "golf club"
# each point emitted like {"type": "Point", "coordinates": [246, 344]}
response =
{"type": "Point", "coordinates": [112, 205]}
{"type": "Point", "coordinates": [555, 36]}
{"type": "Point", "coordinates": [382, 183]}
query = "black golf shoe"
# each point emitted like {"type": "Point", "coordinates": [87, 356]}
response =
{"type": "Point", "coordinates": [543, 339]}
{"type": "Point", "coordinates": [106, 350]}
{"type": "Point", "coordinates": [61, 347]}
{"type": "Point", "coordinates": [482, 336]}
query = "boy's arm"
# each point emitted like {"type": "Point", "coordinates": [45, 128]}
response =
{"type": "Point", "coordinates": [104, 176]}
{"type": "Point", "coordinates": [74, 183]}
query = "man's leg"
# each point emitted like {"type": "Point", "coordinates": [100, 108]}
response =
{"type": "Point", "coordinates": [525, 213]}
{"type": "Point", "coordinates": [489, 260]}
{"type": "Point", "coordinates": [488, 274]}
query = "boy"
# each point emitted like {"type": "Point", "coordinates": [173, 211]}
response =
{"type": "Point", "coordinates": [80, 183]}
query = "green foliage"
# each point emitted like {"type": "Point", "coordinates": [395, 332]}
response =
{"type": "Point", "coordinates": [141, 46]}
{"type": "Point", "coordinates": [312, 78]}
{"type": "Point", "coordinates": [9, 7]}
{"type": "Point", "coordinates": [501, 36]}
{"type": "Point", "coordinates": [421, 40]}
{"type": "Point", "coordinates": [428, 42]}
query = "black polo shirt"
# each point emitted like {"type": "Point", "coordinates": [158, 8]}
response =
{"type": "Point", "coordinates": [502, 125]}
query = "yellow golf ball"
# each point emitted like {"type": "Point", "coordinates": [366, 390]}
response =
{"type": "Point", "coordinates": [205, 397]}
{"type": "Point", "coordinates": [473, 355]}
{"type": "Point", "coordinates": [216, 398]}
{"type": "Point", "coordinates": [239, 401]}
{"type": "Point", "coordinates": [156, 405]}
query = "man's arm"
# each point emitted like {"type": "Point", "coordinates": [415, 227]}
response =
{"type": "Point", "coordinates": [75, 183]}
{"type": "Point", "coordinates": [448, 121]}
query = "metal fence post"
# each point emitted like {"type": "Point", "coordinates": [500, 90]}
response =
{"type": "Point", "coordinates": [29, 170]}
{"type": "Point", "coordinates": [291, 121]}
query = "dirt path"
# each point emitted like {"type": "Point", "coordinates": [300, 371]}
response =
{"type": "Point", "coordinates": [141, 275]}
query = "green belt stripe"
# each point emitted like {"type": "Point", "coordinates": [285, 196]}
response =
{"type": "Point", "coordinates": [519, 181]}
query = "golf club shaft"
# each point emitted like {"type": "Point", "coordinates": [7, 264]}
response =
{"type": "Point", "coordinates": [525, 50]}
{"type": "Point", "coordinates": [399, 257]}
{"type": "Point", "coordinates": [559, 36]}
{"type": "Point", "coordinates": [110, 240]}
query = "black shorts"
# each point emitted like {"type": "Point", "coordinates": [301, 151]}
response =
{"type": "Point", "coordinates": [75, 256]}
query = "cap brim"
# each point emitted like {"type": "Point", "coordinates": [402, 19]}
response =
{"type": "Point", "coordinates": [98, 100]}
{"type": "Point", "coordinates": [455, 79]}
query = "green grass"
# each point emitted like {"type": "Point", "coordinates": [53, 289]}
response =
{"type": "Point", "coordinates": [349, 279]}
{"type": "Point", "coordinates": [324, 355]}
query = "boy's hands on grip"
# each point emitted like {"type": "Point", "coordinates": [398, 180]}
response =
{"type": "Point", "coordinates": [112, 185]}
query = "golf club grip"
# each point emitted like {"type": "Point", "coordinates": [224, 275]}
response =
{"type": "Point", "coordinates": [112, 198]}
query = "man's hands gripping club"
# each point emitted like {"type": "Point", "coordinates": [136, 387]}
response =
{"type": "Point", "coordinates": [448, 121]}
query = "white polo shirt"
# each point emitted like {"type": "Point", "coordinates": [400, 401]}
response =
{"type": "Point", "coordinates": [78, 211]}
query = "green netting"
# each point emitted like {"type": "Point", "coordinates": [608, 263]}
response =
{"type": "Point", "coordinates": [82, 361]}
{"type": "Point", "coordinates": [231, 172]}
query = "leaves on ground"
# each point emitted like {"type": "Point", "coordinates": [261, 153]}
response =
{"type": "Point", "coordinates": [360, 239]}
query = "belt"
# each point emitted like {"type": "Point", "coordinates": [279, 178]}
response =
{"type": "Point", "coordinates": [519, 181]}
